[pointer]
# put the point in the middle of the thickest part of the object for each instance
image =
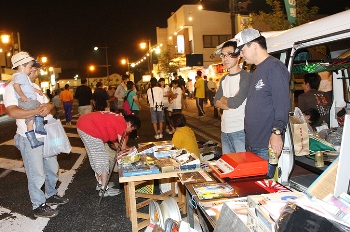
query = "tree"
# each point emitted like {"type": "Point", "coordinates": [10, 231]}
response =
{"type": "Point", "coordinates": [167, 63]}
{"type": "Point", "coordinates": [277, 19]}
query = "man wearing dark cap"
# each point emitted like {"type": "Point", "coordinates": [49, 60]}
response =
{"type": "Point", "coordinates": [268, 101]}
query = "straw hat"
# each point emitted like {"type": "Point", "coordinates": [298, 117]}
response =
{"type": "Point", "coordinates": [20, 58]}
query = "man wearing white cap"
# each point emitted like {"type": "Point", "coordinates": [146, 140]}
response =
{"type": "Point", "coordinates": [39, 170]}
{"type": "Point", "coordinates": [268, 101]}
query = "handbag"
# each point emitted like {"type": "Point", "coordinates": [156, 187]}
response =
{"type": "Point", "coordinates": [56, 140]}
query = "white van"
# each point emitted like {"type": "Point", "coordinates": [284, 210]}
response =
{"type": "Point", "coordinates": [325, 42]}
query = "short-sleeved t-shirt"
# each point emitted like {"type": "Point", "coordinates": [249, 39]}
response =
{"type": "Point", "coordinates": [102, 125]}
{"type": "Point", "coordinates": [26, 85]}
{"type": "Point", "coordinates": [131, 101]}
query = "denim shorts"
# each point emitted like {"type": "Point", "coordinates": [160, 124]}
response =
{"type": "Point", "coordinates": [156, 116]}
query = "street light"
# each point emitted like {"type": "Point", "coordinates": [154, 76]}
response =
{"type": "Point", "coordinates": [149, 54]}
{"type": "Point", "coordinates": [126, 61]}
{"type": "Point", "coordinates": [106, 65]}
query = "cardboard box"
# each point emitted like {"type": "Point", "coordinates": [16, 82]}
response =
{"type": "Point", "coordinates": [167, 165]}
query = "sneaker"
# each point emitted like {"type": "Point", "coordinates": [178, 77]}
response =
{"type": "Point", "coordinates": [160, 136]}
{"type": "Point", "coordinates": [56, 200]}
{"type": "Point", "coordinates": [45, 211]}
{"type": "Point", "coordinates": [167, 131]}
{"type": "Point", "coordinates": [110, 192]}
{"type": "Point", "coordinates": [156, 136]}
{"type": "Point", "coordinates": [171, 132]}
{"type": "Point", "coordinates": [99, 186]}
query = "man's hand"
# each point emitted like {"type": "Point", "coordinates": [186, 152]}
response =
{"type": "Point", "coordinates": [224, 99]}
{"type": "Point", "coordinates": [45, 109]}
{"type": "Point", "coordinates": [276, 143]}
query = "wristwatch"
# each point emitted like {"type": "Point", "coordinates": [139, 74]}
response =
{"type": "Point", "coordinates": [276, 131]}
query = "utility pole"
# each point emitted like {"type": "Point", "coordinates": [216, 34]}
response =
{"type": "Point", "coordinates": [233, 12]}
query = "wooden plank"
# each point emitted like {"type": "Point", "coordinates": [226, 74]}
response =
{"type": "Point", "coordinates": [142, 215]}
{"type": "Point", "coordinates": [132, 205]}
{"type": "Point", "coordinates": [127, 200]}
{"type": "Point", "coordinates": [151, 176]}
{"type": "Point", "coordinates": [143, 224]}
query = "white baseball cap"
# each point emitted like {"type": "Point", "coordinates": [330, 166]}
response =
{"type": "Point", "coordinates": [20, 58]}
{"type": "Point", "coordinates": [246, 36]}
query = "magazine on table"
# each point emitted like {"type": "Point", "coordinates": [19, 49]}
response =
{"type": "Point", "coordinates": [208, 191]}
{"type": "Point", "coordinates": [239, 207]}
{"type": "Point", "coordinates": [194, 177]}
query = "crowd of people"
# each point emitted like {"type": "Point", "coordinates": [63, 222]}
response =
{"type": "Point", "coordinates": [255, 108]}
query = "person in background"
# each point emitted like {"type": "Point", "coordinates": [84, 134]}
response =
{"type": "Point", "coordinates": [183, 136]}
{"type": "Point", "coordinates": [48, 94]}
{"type": "Point", "coordinates": [134, 104]}
{"type": "Point", "coordinates": [84, 95]}
{"type": "Point", "coordinates": [96, 129]}
{"type": "Point", "coordinates": [39, 170]}
{"type": "Point", "coordinates": [120, 92]}
{"type": "Point", "coordinates": [67, 98]}
{"type": "Point", "coordinates": [312, 98]}
{"type": "Point", "coordinates": [268, 100]}
{"type": "Point", "coordinates": [155, 98]}
{"type": "Point", "coordinates": [100, 97]}
{"type": "Point", "coordinates": [56, 104]}
{"type": "Point", "coordinates": [111, 98]}
{"type": "Point", "coordinates": [206, 89]}
{"type": "Point", "coordinates": [176, 97]}
{"type": "Point", "coordinates": [326, 84]}
{"type": "Point", "coordinates": [165, 102]}
{"type": "Point", "coordinates": [200, 93]}
{"type": "Point", "coordinates": [231, 97]}
{"type": "Point", "coordinates": [312, 116]}
{"type": "Point", "coordinates": [211, 91]}
{"type": "Point", "coordinates": [182, 86]}
{"type": "Point", "coordinates": [190, 88]}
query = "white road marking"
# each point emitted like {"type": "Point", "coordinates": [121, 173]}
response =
{"type": "Point", "coordinates": [16, 222]}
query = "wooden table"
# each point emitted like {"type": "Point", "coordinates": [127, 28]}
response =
{"type": "Point", "coordinates": [130, 196]}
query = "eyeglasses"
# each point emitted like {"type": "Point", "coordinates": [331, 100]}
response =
{"type": "Point", "coordinates": [229, 54]}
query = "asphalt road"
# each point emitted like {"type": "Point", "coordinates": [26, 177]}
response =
{"type": "Point", "coordinates": [76, 181]}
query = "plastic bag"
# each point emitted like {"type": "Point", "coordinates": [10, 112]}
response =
{"type": "Point", "coordinates": [56, 140]}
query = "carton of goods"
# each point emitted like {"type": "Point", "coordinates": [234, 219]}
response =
{"type": "Point", "coordinates": [167, 165]}
{"type": "Point", "coordinates": [188, 161]}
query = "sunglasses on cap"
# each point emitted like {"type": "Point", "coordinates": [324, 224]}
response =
{"type": "Point", "coordinates": [229, 54]}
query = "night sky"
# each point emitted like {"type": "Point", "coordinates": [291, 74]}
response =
{"type": "Point", "coordinates": [69, 29]}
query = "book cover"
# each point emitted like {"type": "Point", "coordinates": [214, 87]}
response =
{"type": "Point", "coordinates": [272, 186]}
{"type": "Point", "coordinates": [167, 164]}
{"type": "Point", "coordinates": [240, 208]}
{"type": "Point", "coordinates": [195, 177]}
{"type": "Point", "coordinates": [208, 191]}
{"type": "Point", "coordinates": [138, 169]}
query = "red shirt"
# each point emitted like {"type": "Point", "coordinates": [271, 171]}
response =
{"type": "Point", "coordinates": [102, 125]}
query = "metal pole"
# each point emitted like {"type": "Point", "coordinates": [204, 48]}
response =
{"type": "Point", "coordinates": [127, 59]}
{"type": "Point", "coordinates": [107, 64]}
{"type": "Point", "coordinates": [150, 68]}
{"type": "Point", "coordinates": [233, 6]}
